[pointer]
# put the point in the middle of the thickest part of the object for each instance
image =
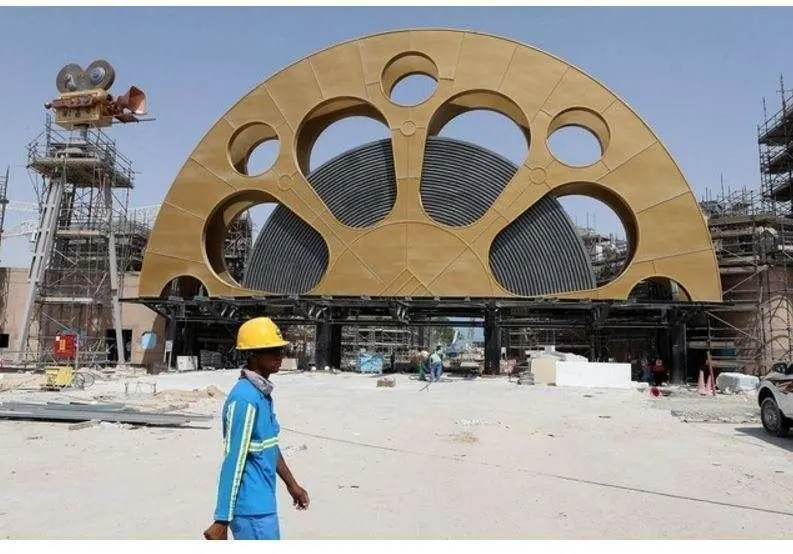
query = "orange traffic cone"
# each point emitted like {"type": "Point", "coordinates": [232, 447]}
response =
{"type": "Point", "coordinates": [709, 387]}
{"type": "Point", "coordinates": [701, 384]}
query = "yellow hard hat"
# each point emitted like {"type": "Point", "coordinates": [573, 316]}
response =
{"type": "Point", "coordinates": [258, 333]}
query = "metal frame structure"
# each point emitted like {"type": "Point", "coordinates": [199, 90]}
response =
{"type": "Point", "coordinates": [84, 242]}
{"type": "Point", "coordinates": [751, 238]}
{"type": "Point", "coordinates": [384, 339]}
{"type": "Point", "coordinates": [3, 202]}
{"type": "Point", "coordinates": [598, 319]}
{"type": "Point", "coordinates": [238, 245]}
{"type": "Point", "coordinates": [473, 71]}
{"type": "Point", "coordinates": [752, 232]}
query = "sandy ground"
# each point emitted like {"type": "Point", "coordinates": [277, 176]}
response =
{"type": "Point", "coordinates": [465, 459]}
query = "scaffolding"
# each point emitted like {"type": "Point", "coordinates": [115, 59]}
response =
{"type": "Point", "coordinates": [607, 253]}
{"type": "Point", "coordinates": [752, 233]}
{"type": "Point", "coordinates": [84, 242]}
{"type": "Point", "coordinates": [237, 246]}
{"type": "Point", "coordinates": [3, 202]}
{"type": "Point", "coordinates": [394, 343]}
{"type": "Point", "coordinates": [3, 271]}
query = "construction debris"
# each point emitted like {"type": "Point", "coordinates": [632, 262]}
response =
{"type": "Point", "coordinates": [736, 382]}
{"type": "Point", "coordinates": [526, 378]}
{"type": "Point", "coordinates": [17, 382]}
{"type": "Point", "coordinates": [195, 395]}
{"type": "Point", "coordinates": [139, 388]}
{"type": "Point", "coordinates": [84, 425]}
{"type": "Point", "coordinates": [113, 413]}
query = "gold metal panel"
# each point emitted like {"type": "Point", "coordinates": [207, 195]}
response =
{"type": "Point", "coordinates": [531, 77]}
{"type": "Point", "coordinates": [669, 237]}
{"type": "Point", "coordinates": [483, 62]}
{"type": "Point", "coordinates": [647, 179]}
{"type": "Point", "coordinates": [409, 254]}
{"type": "Point", "coordinates": [337, 72]}
{"type": "Point", "coordinates": [294, 90]}
{"type": "Point", "coordinates": [442, 47]}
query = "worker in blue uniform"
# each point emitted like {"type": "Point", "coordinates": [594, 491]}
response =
{"type": "Point", "coordinates": [246, 500]}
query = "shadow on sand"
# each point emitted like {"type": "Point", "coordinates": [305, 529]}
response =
{"type": "Point", "coordinates": [785, 443]}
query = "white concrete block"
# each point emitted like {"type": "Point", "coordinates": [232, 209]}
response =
{"type": "Point", "coordinates": [186, 363]}
{"type": "Point", "coordinates": [593, 374]}
{"type": "Point", "coordinates": [734, 382]}
{"type": "Point", "coordinates": [544, 370]}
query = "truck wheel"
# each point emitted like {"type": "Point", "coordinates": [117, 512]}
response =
{"type": "Point", "coordinates": [773, 420]}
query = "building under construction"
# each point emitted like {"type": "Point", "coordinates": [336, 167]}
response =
{"type": "Point", "coordinates": [753, 235]}
{"type": "Point", "coordinates": [534, 280]}
{"type": "Point", "coordinates": [85, 186]}
{"type": "Point", "coordinates": [84, 244]}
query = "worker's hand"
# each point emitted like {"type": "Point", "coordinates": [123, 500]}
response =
{"type": "Point", "coordinates": [299, 496]}
{"type": "Point", "coordinates": [217, 532]}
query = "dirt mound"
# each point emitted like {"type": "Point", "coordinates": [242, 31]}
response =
{"type": "Point", "coordinates": [15, 382]}
{"type": "Point", "coordinates": [189, 396]}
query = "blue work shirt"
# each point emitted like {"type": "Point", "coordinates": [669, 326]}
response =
{"type": "Point", "coordinates": [250, 441]}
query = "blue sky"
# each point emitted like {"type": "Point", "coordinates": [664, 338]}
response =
{"type": "Point", "coordinates": [696, 75]}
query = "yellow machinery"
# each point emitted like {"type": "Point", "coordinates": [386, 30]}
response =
{"type": "Point", "coordinates": [58, 377]}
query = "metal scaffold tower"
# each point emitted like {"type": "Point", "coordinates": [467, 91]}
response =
{"type": "Point", "coordinates": [752, 232]}
{"type": "Point", "coordinates": [83, 244]}
{"type": "Point", "coordinates": [3, 202]}
{"type": "Point", "coordinates": [238, 245]}
{"type": "Point", "coordinates": [396, 341]}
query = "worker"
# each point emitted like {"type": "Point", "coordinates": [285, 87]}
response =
{"type": "Point", "coordinates": [659, 372]}
{"type": "Point", "coordinates": [424, 365]}
{"type": "Point", "coordinates": [436, 364]}
{"type": "Point", "coordinates": [646, 371]}
{"type": "Point", "coordinates": [246, 500]}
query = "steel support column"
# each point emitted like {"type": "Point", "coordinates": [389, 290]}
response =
{"type": "Point", "coordinates": [492, 341]}
{"type": "Point", "coordinates": [328, 346]}
{"type": "Point", "coordinates": [678, 350]}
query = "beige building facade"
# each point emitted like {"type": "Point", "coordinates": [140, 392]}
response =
{"type": "Point", "coordinates": [136, 319]}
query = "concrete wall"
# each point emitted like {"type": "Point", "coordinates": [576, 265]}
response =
{"type": "Point", "coordinates": [770, 329]}
{"type": "Point", "coordinates": [137, 318]}
{"type": "Point", "coordinates": [140, 319]}
{"type": "Point", "coordinates": [13, 290]}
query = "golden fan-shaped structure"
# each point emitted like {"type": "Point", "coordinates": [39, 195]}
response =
{"type": "Point", "coordinates": [407, 253]}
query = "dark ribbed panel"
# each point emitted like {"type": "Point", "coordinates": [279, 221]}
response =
{"type": "Point", "coordinates": [460, 181]}
{"type": "Point", "coordinates": [541, 253]}
{"type": "Point", "coordinates": [359, 186]}
{"type": "Point", "coordinates": [289, 256]}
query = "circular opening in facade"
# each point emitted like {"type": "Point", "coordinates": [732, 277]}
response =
{"type": "Point", "coordinates": [490, 130]}
{"type": "Point", "coordinates": [575, 146]}
{"type": "Point", "coordinates": [410, 78]}
{"type": "Point", "coordinates": [413, 90]}
{"type": "Point", "coordinates": [602, 232]}
{"type": "Point", "coordinates": [241, 235]}
{"type": "Point", "coordinates": [344, 135]}
{"type": "Point", "coordinates": [659, 289]}
{"type": "Point", "coordinates": [253, 149]}
{"type": "Point", "coordinates": [185, 286]}
{"type": "Point", "coordinates": [263, 157]}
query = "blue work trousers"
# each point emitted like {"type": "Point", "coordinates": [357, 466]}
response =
{"type": "Point", "coordinates": [436, 370]}
{"type": "Point", "coordinates": [255, 528]}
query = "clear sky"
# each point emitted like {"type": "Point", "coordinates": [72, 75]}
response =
{"type": "Point", "coordinates": [696, 75]}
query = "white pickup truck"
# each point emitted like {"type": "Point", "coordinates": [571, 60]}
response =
{"type": "Point", "coordinates": [775, 397]}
